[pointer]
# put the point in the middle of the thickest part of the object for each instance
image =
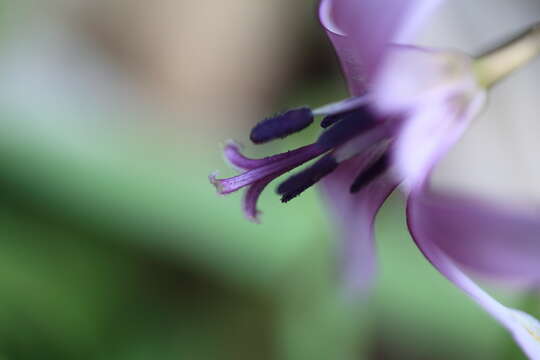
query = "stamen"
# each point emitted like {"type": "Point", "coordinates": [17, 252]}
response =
{"type": "Point", "coordinates": [354, 119]}
{"type": "Point", "coordinates": [234, 156]}
{"type": "Point", "coordinates": [332, 119]}
{"type": "Point", "coordinates": [346, 129]}
{"type": "Point", "coordinates": [272, 169]}
{"type": "Point", "coordinates": [374, 141]}
{"type": "Point", "coordinates": [298, 183]}
{"type": "Point", "coordinates": [360, 113]}
{"type": "Point", "coordinates": [281, 125]}
{"type": "Point", "coordinates": [251, 198]}
{"type": "Point", "coordinates": [369, 174]}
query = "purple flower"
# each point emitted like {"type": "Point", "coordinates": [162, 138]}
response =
{"type": "Point", "coordinates": [408, 107]}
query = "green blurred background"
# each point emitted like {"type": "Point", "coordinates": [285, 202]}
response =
{"type": "Point", "coordinates": [115, 246]}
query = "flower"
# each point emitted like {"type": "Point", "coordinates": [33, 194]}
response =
{"type": "Point", "coordinates": [408, 107]}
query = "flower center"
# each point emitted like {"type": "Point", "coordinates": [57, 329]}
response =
{"type": "Point", "coordinates": [350, 129]}
{"type": "Point", "coordinates": [434, 89]}
{"type": "Point", "coordinates": [412, 77]}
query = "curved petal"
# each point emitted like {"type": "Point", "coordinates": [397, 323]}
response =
{"type": "Point", "coordinates": [428, 134]}
{"type": "Point", "coordinates": [360, 30]}
{"type": "Point", "coordinates": [354, 216]}
{"type": "Point", "coordinates": [436, 94]}
{"type": "Point", "coordinates": [524, 328]}
{"type": "Point", "coordinates": [484, 237]}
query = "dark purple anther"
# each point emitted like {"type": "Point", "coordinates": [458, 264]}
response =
{"type": "Point", "coordinates": [332, 119]}
{"type": "Point", "coordinates": [281, 125]}
{"type": "Point", "coordinates": [347, 128]}
{"type": "Point", "coordinates": [370, 173]}
{"type": "Point", "coordinates": [298, 183]}
{"type": "Point", "coordinates": [363, 114]}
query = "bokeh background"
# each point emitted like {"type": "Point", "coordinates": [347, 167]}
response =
{"type": "Point", "coordinates": [113, 245]}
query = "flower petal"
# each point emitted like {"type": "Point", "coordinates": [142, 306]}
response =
{"type": "Point", "coordinates": [429, 133]}
{"type": "Point", "coordinates": [353, 216]}
{"type": "Point", "coordinates": [524, 328]}
{"type": "Point", "coordinates": [360, 30]}
{"type": "Point", "coordinates": [413, 76]}
{"type": "Point", "coordinates": [483, 237]}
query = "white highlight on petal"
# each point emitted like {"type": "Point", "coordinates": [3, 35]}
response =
{"type": "Point", "coordinates": [529, 323]}
{"type": "Point", "coordinates": [526, 332]}
{"type": "Point", "coordinates": [413, 76]}
{"type": "Point", "coordinates": [327, 20]}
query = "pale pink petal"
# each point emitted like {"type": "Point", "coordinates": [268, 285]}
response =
{"type": "Point", "coordinates": [436, 95]}
{"type": "Point", "coordinates": [412, 77]}
{"type": "Point", "coordinates": [360, 30]}
{"type": "Point", "coordinates": [428, 134]}
{"type": "Point", "coordinates": [497, 241]}
{"type": "Point", "coordinates": [524, 328]}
